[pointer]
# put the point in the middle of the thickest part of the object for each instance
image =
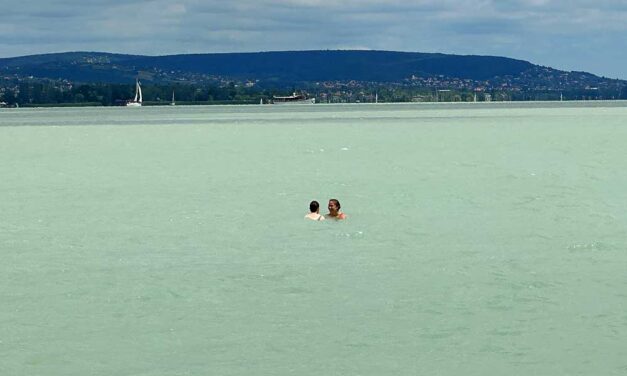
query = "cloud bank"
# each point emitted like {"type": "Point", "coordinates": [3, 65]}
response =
{"type": "Point", "coordinates": [572, 35]}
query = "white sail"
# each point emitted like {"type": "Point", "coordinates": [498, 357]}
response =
{"type": "Point", "coordinates": [137, 101]}
{"type": "Point", "coordinates": [136, 91]}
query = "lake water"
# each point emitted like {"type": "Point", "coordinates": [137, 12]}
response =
{"type": "Point", "coordinates": [482, 239]}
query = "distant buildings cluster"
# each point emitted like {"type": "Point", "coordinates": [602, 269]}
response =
{"type": "Point", "coordinates": [537, 83]}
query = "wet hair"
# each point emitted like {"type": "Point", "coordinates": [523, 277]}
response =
{"type": "Point", "coordinates": [337, 203]}
{"type": "Point", "coordinates": [313, 206]}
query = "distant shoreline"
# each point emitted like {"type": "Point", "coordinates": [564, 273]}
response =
{"type": "Point", "coordinates": [566, 103]}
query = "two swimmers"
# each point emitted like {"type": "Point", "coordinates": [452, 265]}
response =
{"type": "Point", "coordinates": [334, 211]}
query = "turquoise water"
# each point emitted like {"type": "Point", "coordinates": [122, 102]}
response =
{"type": "Point", "coordinates": [482, 239]}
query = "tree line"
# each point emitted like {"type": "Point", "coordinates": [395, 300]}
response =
{"type": "Point", "coordinates": [52, 93]}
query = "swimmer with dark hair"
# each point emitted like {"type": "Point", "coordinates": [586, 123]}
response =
{"type": "Point", "coordinates": [334, 210]}
{"type": "Point", "coordinates": [314, 209]}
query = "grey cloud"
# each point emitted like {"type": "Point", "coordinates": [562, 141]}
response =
{"type": "Point", "coordinates": [485, 27]}
{"type": "Point", "coordinates": [548, 32]}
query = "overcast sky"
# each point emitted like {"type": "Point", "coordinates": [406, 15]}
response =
{"type": "Point", "coordinates": [588, 35]}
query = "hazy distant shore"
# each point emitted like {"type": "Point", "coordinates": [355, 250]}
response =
{"type": "Point", "coordinates": [580, 103]}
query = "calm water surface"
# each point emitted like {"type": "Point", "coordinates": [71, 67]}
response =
{"type": "Point", "coordinates": [481, 240]}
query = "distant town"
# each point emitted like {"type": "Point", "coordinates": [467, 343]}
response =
{"type": "Point", "coordinates": [97, 79]}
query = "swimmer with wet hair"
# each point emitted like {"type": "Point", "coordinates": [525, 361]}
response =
{"type": "Point", "coordinates": [314, 209]}
{"type": "Point", "coordinates": [334, 210]}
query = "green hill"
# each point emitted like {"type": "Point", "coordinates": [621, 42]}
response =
{"type": "Point", "coordinates": [355, 75]}
{"type": "Point", "coordinates": [289, 66]}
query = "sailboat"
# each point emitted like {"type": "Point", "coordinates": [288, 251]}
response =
{"type": "Point", "coordinates": [137, 101]}
{"type": "Point", "coordinates": [172, 103]}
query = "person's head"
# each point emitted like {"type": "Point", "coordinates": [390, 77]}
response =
{"type": "Point", "coordinates": [314, 206]}
{"type": "Point", "coordinates": [334, 205]}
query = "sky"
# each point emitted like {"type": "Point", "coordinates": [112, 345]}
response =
{"type": "Point", "coordinates": [582, 35]}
